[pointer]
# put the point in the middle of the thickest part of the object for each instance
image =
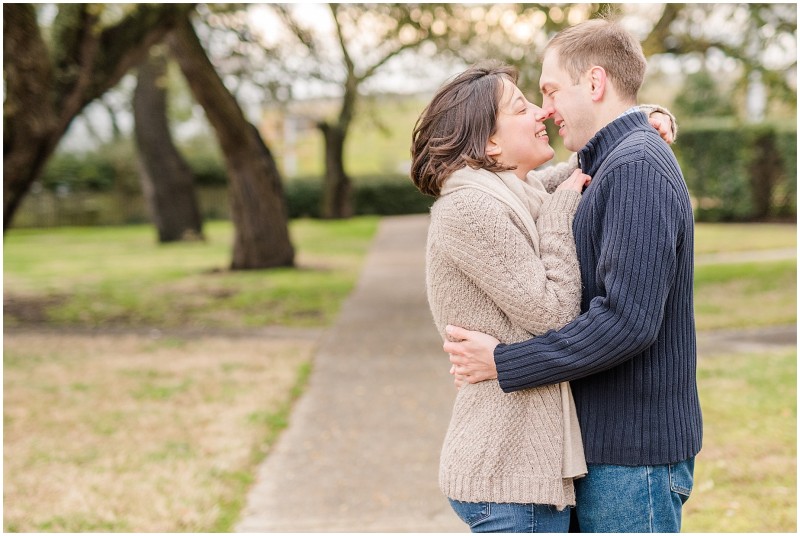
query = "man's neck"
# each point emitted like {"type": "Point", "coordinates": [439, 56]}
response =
{"type": "Point", "coordinates": [608, 113]}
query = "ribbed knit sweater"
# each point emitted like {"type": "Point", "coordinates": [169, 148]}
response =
{"type": "Point", "coordinates": [631, 354]}
{"type": "Point", "coordinates": [486, 271]}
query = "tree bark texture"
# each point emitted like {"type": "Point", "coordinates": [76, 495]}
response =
{"type": "Point", "coordinates": [47, 88]}
{"type": "Point", "coordinates": [167, 180]}
{"type": "Point", "coordinates": [258, 205]}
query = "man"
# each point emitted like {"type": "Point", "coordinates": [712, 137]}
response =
{"type": "Point", "coordinates": [631, 354]}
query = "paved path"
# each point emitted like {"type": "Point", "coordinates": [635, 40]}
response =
{"type": "Point", "coordinates": [361, 452]}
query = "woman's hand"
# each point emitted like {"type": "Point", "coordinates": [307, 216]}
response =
{"type": "Point", "coordinates": [576, 182]}
{"type": "Point", "coordinates": [663, 124]}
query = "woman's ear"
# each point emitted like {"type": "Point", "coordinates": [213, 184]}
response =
{"type": "Point", "coordinates": [598, 79]}
{"type": "Point", "coordinates": [493, 148]}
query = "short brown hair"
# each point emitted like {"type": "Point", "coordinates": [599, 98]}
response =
{"type": "Point", "coordinates": [453, 130]}
{"type": "Point", "coordinates": [605, 43]}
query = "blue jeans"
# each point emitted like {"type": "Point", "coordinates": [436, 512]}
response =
{"type": "Point", "coordinates": [509, 517]}
{"type": "Point", "coordinates": [617, 498]}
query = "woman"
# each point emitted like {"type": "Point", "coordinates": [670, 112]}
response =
{"type": "Point", "coordinates": [501, 259]}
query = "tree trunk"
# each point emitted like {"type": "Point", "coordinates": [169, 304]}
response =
{"type": "Point", "coordinates": [258, 206]}
{"type": "Point", "coordinates": [29, 120]}
{"type": "Point", "coordinates": [336, 192]}
{"type": "Point", "coordinates": [765, 169]}
{"type": "Point", "coordinates": [167, 181]}
{"type": "Point", "coordinates": [44, 95]}
{"type": "Point", "coordinates": [47, 89]}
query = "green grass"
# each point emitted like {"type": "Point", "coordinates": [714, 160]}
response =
{"type": "Point", "coordinates": [730, 237]}
{"type": "Point", "coordinates": [745, 476]}
{"type": "Point", "coordinates": [745, 295]}
{"type": "Point", "coordinates": [121, 276]}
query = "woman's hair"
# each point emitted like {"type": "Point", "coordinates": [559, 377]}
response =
{"type": "Point", "coordinates": [454, 128]}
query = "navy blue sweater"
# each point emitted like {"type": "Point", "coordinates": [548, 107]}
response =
{"type": "Point", "coordinates": [631, 354]}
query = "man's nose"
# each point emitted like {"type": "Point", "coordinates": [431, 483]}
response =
{"type": "Point", "coordinates": [545, 112]}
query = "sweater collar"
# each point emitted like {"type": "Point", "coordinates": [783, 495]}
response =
{"type": "Point", "coordinates": [591, 157]}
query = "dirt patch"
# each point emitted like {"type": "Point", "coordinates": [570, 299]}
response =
{"type": "Point", "coordinates": [30, 309]}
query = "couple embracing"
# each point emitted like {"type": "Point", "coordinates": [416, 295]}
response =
{"type": "Point", "coordinates": [564, 294]}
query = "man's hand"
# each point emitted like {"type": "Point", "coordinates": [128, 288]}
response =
{"type": "Point", "coordinates": [472, 356]}
{"type": "Point", "coordinates": [663, 124]}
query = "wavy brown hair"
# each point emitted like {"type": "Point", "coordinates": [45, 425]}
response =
{"type": "Point", "coordinates": [453, 130]}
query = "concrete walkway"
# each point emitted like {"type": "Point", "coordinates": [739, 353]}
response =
{"type": "Point", "coordinates": [361, 452]}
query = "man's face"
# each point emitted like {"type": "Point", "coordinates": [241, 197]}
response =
{"type": "Point", "coordinates": [569, 104]}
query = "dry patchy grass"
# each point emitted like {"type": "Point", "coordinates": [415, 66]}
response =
{"type": "Point", "coordinates": [746, 474]}
{"type": "Point", "coordinates": [125, 433]}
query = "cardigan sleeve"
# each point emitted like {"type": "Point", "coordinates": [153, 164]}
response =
{"type": "Point", "coordinates": [552, 176]}
{"type": "Point", "coordinates": [649, 109]}
{"type": "Point", "coordinates": [536, 293]}
{"type": "Point", "coordinates": [638, 231]}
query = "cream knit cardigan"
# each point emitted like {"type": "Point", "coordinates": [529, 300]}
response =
{"type": "Point", "coordinates": [501, 260]}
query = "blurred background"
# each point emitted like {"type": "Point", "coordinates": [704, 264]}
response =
{"type": "Point", "coordinates": [160, 158]}
{"type": "Point", "coordinates": [334, 93]}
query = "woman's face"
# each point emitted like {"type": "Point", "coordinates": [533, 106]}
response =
{"type": "Point", "coordinates": [520, 138]}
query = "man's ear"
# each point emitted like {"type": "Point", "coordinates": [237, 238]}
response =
{"type": "Point", "coordinates": [598, 80]}
{"type": "Point", "coordinates": [493, 148]}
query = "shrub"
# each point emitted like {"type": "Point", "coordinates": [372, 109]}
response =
{"type": "Point", "coordinates": [737, 172]}
{"type": "Point", "coordinates": [382, 195]}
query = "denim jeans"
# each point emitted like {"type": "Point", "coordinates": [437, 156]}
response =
{"type": "Point", "coordinates": [508, 517]}
{"type": "Point", "coordinates": [617, 498]}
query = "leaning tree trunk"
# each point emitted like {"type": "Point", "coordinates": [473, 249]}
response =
{"type": "Point", "coordinates": [258, 206]}
{"type": "Point", "coordinates": [47, 88]}
{"type": "Point", "coordinates": [336, 192]}
{"type": "Point", "coordinates": [167, 181]}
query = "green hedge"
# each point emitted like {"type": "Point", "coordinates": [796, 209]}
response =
{"type": "Point", "coordinates": [739, 172]}
{"type": "Point", "coordinates": [383, 195]}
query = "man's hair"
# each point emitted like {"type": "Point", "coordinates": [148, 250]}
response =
{"type": "Point", "coordinates": [453, 130]}
{"type": "Point", "coordinates": [605, 43]}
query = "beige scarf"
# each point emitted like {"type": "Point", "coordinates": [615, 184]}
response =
{"type": "Point", "coordinates": [525, 198]}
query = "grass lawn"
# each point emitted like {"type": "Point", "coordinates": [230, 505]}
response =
{"type": "Point", "coordinates": [745, 295]}
{"type": "Point", "coordinates": [746, 474]}
{"type": "Point", "coordinates": [133, 433]}
{"type": "Point", "coordinates": [731, 237]}
{"type": "Point", "coordinates": [124, 433]}
{"type": "Point", "coordinates": [120, 276]}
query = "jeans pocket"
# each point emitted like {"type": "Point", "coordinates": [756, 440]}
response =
{"type": "Point", "coordinates": [681, 478]}
{"type": "Point", "coordinates": [471, 513]}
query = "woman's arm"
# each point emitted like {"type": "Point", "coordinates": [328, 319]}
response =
{"type": "Point", "coordinates": [554, 175]}
{"type": "Point", "coordinates": [651, 109]}
{"type": "Point", "coordinates": [536, 293]}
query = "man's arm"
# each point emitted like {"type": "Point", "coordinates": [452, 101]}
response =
{"type": "Point", "coordinates": [636, 267]}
